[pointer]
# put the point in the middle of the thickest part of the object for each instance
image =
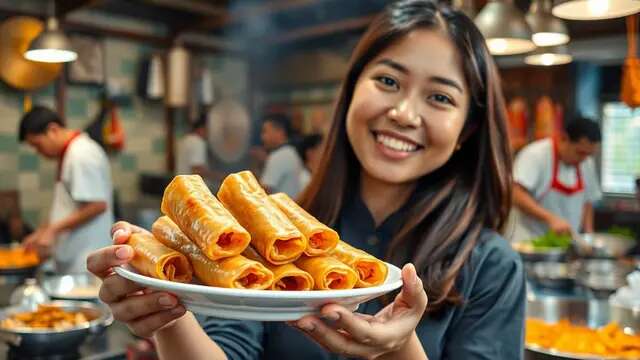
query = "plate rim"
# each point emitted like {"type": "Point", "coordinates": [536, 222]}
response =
{"type": "Point", "coordinates": [260, 294]}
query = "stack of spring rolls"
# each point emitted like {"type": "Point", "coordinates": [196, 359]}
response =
{"type": "Point", "coordinates": [246, 239]}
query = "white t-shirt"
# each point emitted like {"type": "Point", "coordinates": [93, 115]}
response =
{"type": "Point", "coordinates": [282, 171]}
{"type": "Point", "coordinates": [533, 170]}
{"type": "Point", "coordinates": [192, 151]}
{"type": "Point", "coordinates": [85, 177]}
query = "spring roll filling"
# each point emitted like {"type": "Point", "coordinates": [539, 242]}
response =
{"type": "Point", "coordinates": [250, 279]}
{"type": "Point", "coordinates": [336, 280]}
{"type": "Point", "coordinates": [288, 283]}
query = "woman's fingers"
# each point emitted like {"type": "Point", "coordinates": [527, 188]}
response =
{"type": "Point", "coordinates": [331, 339]}
{"type": "Point", "coordinates": [148, 325]}
{"type": "Point", "coordinates": [102, 260]}
{"type": "Point", "coordinates": [115, 288]}
{"type": "Point", "coordinates": [121, 231]}
{"type": "Point", "coordinates": [358, 326]}
{"type": "Point", "coordinates": [138, 306]}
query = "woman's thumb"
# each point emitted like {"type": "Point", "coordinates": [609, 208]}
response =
{"type": "Point", "coordinates": [412, 292]}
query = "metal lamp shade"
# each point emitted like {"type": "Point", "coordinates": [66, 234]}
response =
{"type": "Point", "coordinates": [547, 30]}
{"type": "Point", "coordinates": [595, 9]}
{"type": "Point", "coordinates": [549, 56]}
{"type": "Point", "coordinates": [51, 46]}
{"type": "Point", "coordinates": [505, 29]}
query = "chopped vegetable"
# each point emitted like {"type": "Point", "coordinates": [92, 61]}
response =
{"type": "Point", "coordinates": [552, 240]}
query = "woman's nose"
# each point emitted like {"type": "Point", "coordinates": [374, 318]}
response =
{"type": "Point", "coordinates": [405, 114]}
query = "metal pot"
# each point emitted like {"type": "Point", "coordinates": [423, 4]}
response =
{"type": "Point", "coordinates": [603, 276]}
{"type": "Point", "coordinates": [530, 254]}
{"type": "Point", "coordinates": [39, 342]}
{"type": "Point", "coordinates": [81, 286]}
{"type": "Point", "coordinates": [10, 279]}
{"type": "Point", "coordinates": [593, 313]}
{"type": "Point", "coordinates": [552, 274]}
{"type": "Point", "coordinates": [627, 318]}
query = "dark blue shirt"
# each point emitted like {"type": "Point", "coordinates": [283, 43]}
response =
{"type": "Point", "coordinates": [488, 325]}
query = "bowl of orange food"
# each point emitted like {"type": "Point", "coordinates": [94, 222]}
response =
{"type": "Point", "coordinates": [55, 327]}
{"type": "Point", "coordinates": [16, 260]}
{"type": "Point", "coordinates": [564, 328]}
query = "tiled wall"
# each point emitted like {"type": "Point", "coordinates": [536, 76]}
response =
{"type": "Point", "coordinates": [22, 169]}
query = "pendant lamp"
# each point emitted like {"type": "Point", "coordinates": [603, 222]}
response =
{"type": "Point", "coordinates": [51, 45]}
{"type": "Point", "coordinates": [595, 9]}
{"type": "Point", "coordinates": [547, 30]}
{"type": "Point", "coordinates": [504, 28]}
{"type": "Point", "coordinates": [549, 56]}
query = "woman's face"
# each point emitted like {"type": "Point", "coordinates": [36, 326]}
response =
{"type": "Point", "coordinates": [408, 108]}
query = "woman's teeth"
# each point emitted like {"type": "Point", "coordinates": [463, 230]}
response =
{"type": "Point", "coordinates": [395, 144]}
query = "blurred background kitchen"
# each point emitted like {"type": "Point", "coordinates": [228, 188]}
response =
{"type": "Point", "coordinates": [173, 86]}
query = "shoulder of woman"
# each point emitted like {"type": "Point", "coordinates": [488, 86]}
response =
{"type": "Point", "coordinates": [492, 249]}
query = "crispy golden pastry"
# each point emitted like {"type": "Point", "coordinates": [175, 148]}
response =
{"type": "Point", "coordinates": [285, 277]}
{"type": "Point", "coordinates": [235, 272]}
{"type": "Point", "coordinates": [371, 271]}
{"type": "Point", "coordinates": [321, 238]}
{"type": "Point", "coordinates": [328, 272]}
{"type": "Point", "coordinates": [154, 259]}
{"type": "Point", "coordinates": [190, 204]}
{"type": "Point", "coordinates": [272, 233]}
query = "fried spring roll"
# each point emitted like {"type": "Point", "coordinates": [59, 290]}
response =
{"type": "Point", "coordinates": [286, 277]}
{"type": "Point", "coordinates": [328, 272]}
{"type": "Point", "coordinates": [154, 259]}
{"type": "Point", "coordinates": [272, 233]}
{"type": "Point", "coordinates": [235, 272]}
{"type": "Point", "coordinates": [371, 271]}
{"type": "Point", "coordinates": [190, 204]}
{"type": "Point", "coordinates": [321, 238]}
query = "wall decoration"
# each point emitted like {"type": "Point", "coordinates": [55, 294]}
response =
{"type": "Point", "coordinates": [89, 68]}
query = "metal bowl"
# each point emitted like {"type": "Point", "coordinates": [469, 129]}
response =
{"type": "Point", "coordinates": [552, 274]}
{"type": "Point", "coordinates": [605, 245]}
{"type": "Point", "coordinates": [39, 342]}
{"type": "Point", "coordinates": [603, 276]}
{"type": "Point", "coordinates": [593, 313]}
{"type": "Point", "coordinates": [82, 286]}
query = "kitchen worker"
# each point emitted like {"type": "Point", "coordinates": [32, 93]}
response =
{"type": "Point", "coordinates": [556, 183]}
{"type": "Point", "coordinates": [283, 166]}
{"type": "Point", "coordinates": [81, 213]}
{"type": "Point", "coordinates": [416, 170]}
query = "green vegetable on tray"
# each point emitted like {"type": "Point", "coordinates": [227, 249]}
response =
{"type": "Point", "coordinates": [622, 231]}
{"type": "Point", "coordinates": [551, 240]}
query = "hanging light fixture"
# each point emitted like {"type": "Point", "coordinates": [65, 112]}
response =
{"type": "Point", "coordinates": [504, 27]}
{"type": "Point", "coordinates": [548, 56]}
{"type": "Point", "coordinates": [595, 9]}
{"type": "Point", "coordinates": [547, 30]}
{"type": "Point", "coordinates": [51, 46]}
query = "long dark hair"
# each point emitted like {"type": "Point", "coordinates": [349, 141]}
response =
{"type": "Point", "coordinates": [451, 205]}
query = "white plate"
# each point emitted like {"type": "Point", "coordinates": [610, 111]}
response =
{"type": "Point", "coordinates": [262, 305]}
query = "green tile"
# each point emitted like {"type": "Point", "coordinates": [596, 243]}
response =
{"type": "Point", "coordinates": [8, 142]}
{"type": "Point", "coordinates": [47, 181]}
{"type": "Point", "coordinates": [127, 67]}
{"type": "Point", "coordinates": [158, 146]}
{"type": "Point", "coordinates": [77, 107]}
{"type": "Point", "coordinates": [32, 217]}
{"type": "Point", "coordinates": [128, 162]}
{"type": "Point", "coordinates": [28, 162]}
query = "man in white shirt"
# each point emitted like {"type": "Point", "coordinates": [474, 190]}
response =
{"type": "Point", "coordinates": [81, 214]}
{"type": "Point", "coordinates": [192, 151]}
{"type": "Point", "coordinates": [556, 183]}
{"type": "Point", "coordinates": [283, 166]}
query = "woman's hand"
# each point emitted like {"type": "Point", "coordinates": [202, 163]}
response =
{"type": "Point", "coordinates": [367, 336]}
{"type": "Point", "coordinates": [142, 310]}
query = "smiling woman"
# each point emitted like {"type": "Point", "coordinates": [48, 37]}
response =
{"type": "Point", "coordinates": [416, 169]}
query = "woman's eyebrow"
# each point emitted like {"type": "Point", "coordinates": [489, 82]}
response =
{"type": "Point", "coordinates": [395, 65]}
{"type": "Point", "coordinates": [437, 79]}
{"type": "Point", "coordinates": [448, 82]}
